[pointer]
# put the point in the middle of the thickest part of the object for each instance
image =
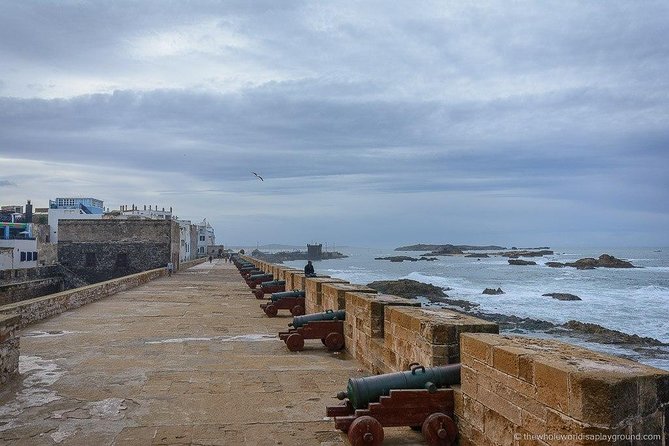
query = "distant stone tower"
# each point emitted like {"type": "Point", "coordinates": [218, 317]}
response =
{"type": "Point", "coordinates": [314, 252]}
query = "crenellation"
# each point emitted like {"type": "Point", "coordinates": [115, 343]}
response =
{"type": "Point", "coordinates": [313, 286]}
{"type": "Point", "coordinates": [514, 390]}
{"type": "Point", "coordinates": [572, 391]}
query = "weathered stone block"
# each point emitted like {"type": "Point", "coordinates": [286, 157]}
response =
{"type": "Point", "coordinates": [9, 347]}
{"type": "Point", "coordinates": [562, 389]}
{"type": "Point", "coordinates": [334, 294]}
{"type": "Point", "coordinates": [314, 292]}
{"type": "Point", "coordinates": [478, 347]}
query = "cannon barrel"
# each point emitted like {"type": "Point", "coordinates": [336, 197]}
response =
{"type": "Point", "coordinates": [261, 276]}
{"type": "Point", "coordinates": [281, 295]}
{"type": "Point", "coordinates": [362, 391]}
{"type": "Point", "coordinates": [328, 315]}
{"type": "Point", "coordinates": [273, 283]}
{"type": "Point", "coordinates": [245, 267]}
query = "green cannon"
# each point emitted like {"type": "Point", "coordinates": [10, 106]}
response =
{"type": "Point", "coordinates": [362, 391]}
{"type": "Point", "coordinates": [286, 300]}
{"type": "Point", "coordinates": [272, 283]}
{"type": "Point", "coordinates": [272, 286]}
{"type": "Point", "coordinates": [295, 293]}
{"type": "Point", "coordinates": [328, 315]}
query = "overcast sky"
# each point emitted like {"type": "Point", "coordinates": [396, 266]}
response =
{"type": "Point", "coordinates": [372, 123]}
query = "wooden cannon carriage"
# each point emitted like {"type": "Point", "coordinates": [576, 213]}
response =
{"type": "Point", "coordinates": [272, 286]}
{"type": "Point", "coordinates": [288, 300]}
{"type": "Point", "coordinates": [327, 326]}
{"type": "Point", "coordinates": [412, 398]}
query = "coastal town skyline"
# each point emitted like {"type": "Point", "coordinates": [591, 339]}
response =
{"type": "Point", "coordinates": [371, 124]}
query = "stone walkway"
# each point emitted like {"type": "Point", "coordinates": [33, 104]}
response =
{"type": "Point", "coordinates": [188, 359]}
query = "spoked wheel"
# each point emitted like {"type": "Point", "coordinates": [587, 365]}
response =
{"type": "Point", "coordinates": [259, 294]}
{"type": "Point", "coordinates": [334, 341]}
{"type": "Point", "coordinates": [439, 430]}
{"type": "Point", "coordinates": [297, 310]}
{"type": "Point", "coordinates": [271, 310]}
{"type": "Point", "coordinates": [295, 342]}
{"type": "Point", "coordinates": [365, 431]}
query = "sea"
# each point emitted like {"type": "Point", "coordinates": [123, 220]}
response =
{"type": "Point", "coordinates": [634, 301]}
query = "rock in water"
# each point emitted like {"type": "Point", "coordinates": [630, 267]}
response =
{"type": "Point", "coordinates": [604, 261]}
{"type": "Point", "coordinates": [493, 291]}
{"type": "Point", "coordinates": [608, 261]}
{"type": "Point", "coordinates": [398, 258]}
{"type": "Point", "coordinates": [607, 336]}
{"type": "Point", "coordinates": [562, 296]}
{"type": "Point", "coordinates": [521, 262]}
{"type": "Point", "coordinates": [407, 288]}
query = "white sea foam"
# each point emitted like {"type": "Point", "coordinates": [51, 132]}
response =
{"type": "Point", "coordinates": [634, 301]}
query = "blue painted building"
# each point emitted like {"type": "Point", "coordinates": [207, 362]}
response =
{"type": "Point", "coordinates": [87, 205]}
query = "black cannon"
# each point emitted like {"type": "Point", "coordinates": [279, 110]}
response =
{"type": "Point", "coordinates": [287, 300]}
{"type": "Point", "coordinates": [251, 272]}
{"type": "Point", "coordinates": [327, 315]}
{"type": "Point", "coordinates": [284, 294]}
{"type": "Point", "coordinates": [256, 279]}
{"type": "Point", "coordinates": [273, 286]}
{"type": "Point", "coordinates": [416, 398]}
{"type": "Point", "coordinates": [327, 326]}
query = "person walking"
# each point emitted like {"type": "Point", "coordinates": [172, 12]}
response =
{"type": "Point", "coordinates": [170, 268]}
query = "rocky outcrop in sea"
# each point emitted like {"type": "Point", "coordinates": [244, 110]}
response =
{"type": "Point", "coordinates": [604, 261]}
{"type": "Point", "coordinates": [521, 262]}
{"type": "Point", "coordinates": [398, 259]}
{"type": "Point", "coordinates": [562, 296]}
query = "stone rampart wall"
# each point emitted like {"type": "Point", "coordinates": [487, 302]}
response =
{"type": "Point", "coordinates": [15, 292]}
{"type": "Point", "coordinates": [514, 390]}
{"type": "Point", "coordinates": [9, 347]}
{"type": "Point", "coordinates": [33, 310]}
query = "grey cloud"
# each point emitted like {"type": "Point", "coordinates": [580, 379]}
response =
{"type": "Point", "coordinates": [558, 103]}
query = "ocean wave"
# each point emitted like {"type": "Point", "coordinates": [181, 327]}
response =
{"type": "Point", "coordinates": [653, 268]}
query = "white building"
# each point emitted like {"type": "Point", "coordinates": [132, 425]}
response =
{"type": "Point", "coordinates": [18, 254]}
{"type": "Point", "coordinates": [152, 212]}
{"type": "Point", "coordinates": [205, 237]}
{"type": "Point", "coordinates": [187, 234]}
{"type": "Point", "coordinates": [72, 209]}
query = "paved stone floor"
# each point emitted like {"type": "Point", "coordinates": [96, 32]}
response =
{"type": "Point", "coordinates": [187, 359]}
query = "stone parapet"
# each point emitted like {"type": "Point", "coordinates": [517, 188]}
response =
{"type": "Point", "coordinates": [334, 294]}
{"type": "Point", "coordinates": [9, 347]}
{"type": "Point", "coordinates": [429, 336]}
{"type": "Point", "coordinates": [294, 279]}
{"type": "Point", "coordinates": [522, 391]}
{"type": "Point", "coordinates": [364, 328]}
{"type": "Point", "coordinates": [18, 291]}
{"type": "Point", "coordinates": [313, 287]}
{"type": "Point", "coordinates": [36, 309]}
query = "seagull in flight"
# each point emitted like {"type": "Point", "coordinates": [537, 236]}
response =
{"type": "Point", "coordinates": [257, 176]}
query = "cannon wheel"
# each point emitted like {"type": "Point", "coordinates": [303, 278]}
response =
{"type": "Point", "coordinates": [259, 294]}
{"type": "Point", "coordinates": [271, 310]}
{"type": "Point", "coordinates": [439, 430]}
{"type": "Point", "coordinates": [365, 431]}
{"type": "Point", "coordinates": [295, 342]}
{"type": "Point", "coordinates": [334, 341]}
{"type": "Point", "coordinates": [297, 310]}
